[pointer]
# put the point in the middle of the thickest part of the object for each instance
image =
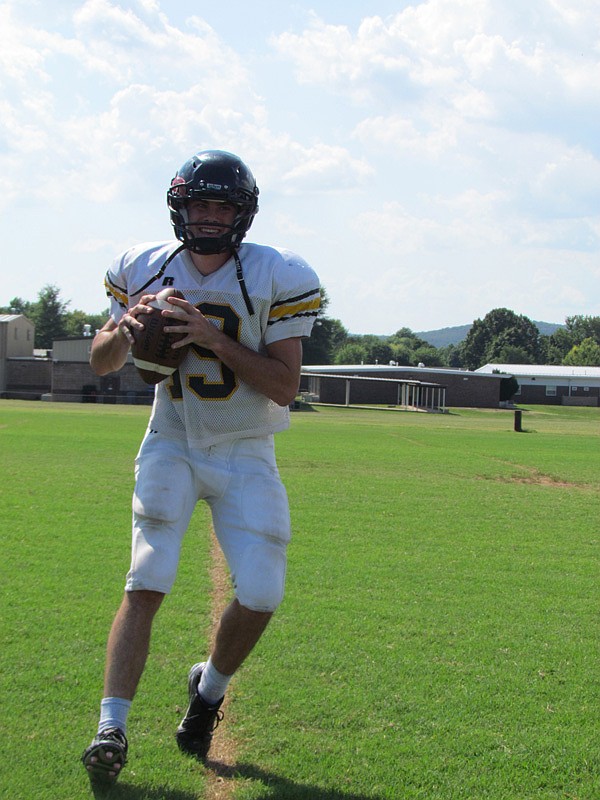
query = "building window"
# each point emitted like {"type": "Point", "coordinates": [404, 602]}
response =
{"type": "Point", "coordinates": [550, 391]}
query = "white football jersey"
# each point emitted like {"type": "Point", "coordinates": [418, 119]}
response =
{"type": "Point", "coordinates": [204, 401]}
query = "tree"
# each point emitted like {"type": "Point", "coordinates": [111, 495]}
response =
{"type": "Point", "coordinates": [555, 347]}
{"type": "Point", "coordinates": [351, 353]}
{"type": "Point", "coordinates": [508, 388]}
{"type": "Point", "coordinates": [586, 354]}
{"type": "Point", "coordinates": [504, 352]}
{"type": "Point", "coordinates": [52, 319]}
{"type": "Point", "coordinates": [377, 348]}
{"type": "Point", "coordinates": [402, 355]}
{"type": "Point", "coordinates": [327, 336]}
{"type": "Point", "coordinates": [451, 356]}
{"type": "Point", "coordinates": [499, 329]}
{"type": "Point", "coordinates": [577, 328]}
{"type": "Point", "coordinates": [18, 306]}
{"type": "Point", "coordinates": [428, 355]}
{"type": "Point", "coordinates": [75, 322]}
{"type": "Point", "coordinates": [583, 327]}
{"type": "Point", "coordinates": [405, 337]}
{"type": "Point", "coordinates": [49, 316]}
{"type": "Point", "coordinates": [410, 349]}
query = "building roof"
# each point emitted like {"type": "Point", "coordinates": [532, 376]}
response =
{"type": "Point", "coordinates": [9, 317]}
{"type": "Point", "coordinates": [393, 368]}
{"type": "Point", "coordinates": [540, 370]}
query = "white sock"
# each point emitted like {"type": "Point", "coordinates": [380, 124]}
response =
{"type": "Point", "coordinates": [113, 713]}
{"type": "Point", "coordinates": [213, 684]}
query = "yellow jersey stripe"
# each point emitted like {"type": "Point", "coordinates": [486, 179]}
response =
{"type": "Point", "coordinates": [294, 309]}
{"type": "Point", "coordinates": [119, 296]}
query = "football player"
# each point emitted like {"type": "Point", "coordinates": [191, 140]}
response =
{"type": "Point", "coordinates": [210, 435]}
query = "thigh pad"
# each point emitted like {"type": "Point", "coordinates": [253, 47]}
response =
{"type": "Point", "coordinates": [162, 489]}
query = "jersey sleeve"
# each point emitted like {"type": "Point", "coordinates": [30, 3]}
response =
{"type": "Point", "coordinates": [296, 299]}
{"type": "Point", "coordinates": [115, 283]}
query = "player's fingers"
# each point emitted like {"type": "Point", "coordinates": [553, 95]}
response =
{"type": "Point", "coordinates": [183, 312]}
{"type": "Point", "coordinates": [131, 320]}
{"type": "Point", "coordinates": [179, 301]}
{"type": "Point", "coordinates": [126, 332]}
{"type": "Point", "coordinates": [140, 309]}
{"type": "Point", "coordinates": [182, 342]}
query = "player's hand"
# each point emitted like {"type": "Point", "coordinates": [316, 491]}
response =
{"type": "Point", "coordinates": [186, 318]}
{"type": "Point", "coordinates": [130, 320]}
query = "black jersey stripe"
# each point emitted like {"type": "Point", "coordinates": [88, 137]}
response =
{"type": "Point", "coordinates": [293, 316]}
{"type": "Point", "coordinates": [296, 299]}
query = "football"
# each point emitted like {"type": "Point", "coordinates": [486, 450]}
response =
{"type": "Point", "coordinates": [152, 350]}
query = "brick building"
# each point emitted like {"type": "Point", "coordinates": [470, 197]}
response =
{"type": "Point", "coordinates": [461, 388]}
{"type": "Point", "coordinates": [74, 381]}
{"type": "Point", "coordinates": [67, 376]}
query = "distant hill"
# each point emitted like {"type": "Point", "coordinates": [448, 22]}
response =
{"type": "Point", "coordinates": [442, 337]}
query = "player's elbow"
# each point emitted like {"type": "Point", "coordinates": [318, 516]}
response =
{"type": "Point", "coordinates": [102, 362]}
{"type": "Point", "coordinates": [284, 395]}
{"type": "Point", "coordinates": [99, 368]}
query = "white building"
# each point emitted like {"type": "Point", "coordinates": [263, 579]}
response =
{"type": "Point", "coordinates": [567, 386]}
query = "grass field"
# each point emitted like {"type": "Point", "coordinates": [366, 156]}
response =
{"type": "Point", "coordinates": [438, 640]}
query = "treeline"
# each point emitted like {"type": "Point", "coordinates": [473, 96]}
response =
{"type": "Point", "coordinates": [501, 337]}
{"type": "Point", "coordinates": [52, 318]}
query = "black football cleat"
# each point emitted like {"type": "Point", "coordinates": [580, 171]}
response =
{"type": "Point", "coordinates": [195, 732]}
{"type": "Point", "coordinates": [105, 757]}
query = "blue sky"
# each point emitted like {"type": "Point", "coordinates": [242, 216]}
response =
{"type": "Point", "coordinates": [432, 160]}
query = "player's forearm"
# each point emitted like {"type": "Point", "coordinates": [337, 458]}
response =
{"type": "Point", "coordinates": [266, 374]}
{"type": "Point", "coordinates": [109, 351]}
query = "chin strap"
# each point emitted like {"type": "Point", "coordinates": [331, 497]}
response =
{"type": "Point", "coordinates": [161, 271]}
{"type": "Point", "coordinates": [240, 276]}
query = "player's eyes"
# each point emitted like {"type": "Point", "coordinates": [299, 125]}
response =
{"type": "Point", "coordinates": [197, 205]}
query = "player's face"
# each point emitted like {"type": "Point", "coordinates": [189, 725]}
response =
{"type": "Point", "coordinates": [210, 217]}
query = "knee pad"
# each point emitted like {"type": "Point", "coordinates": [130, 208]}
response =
{"type": "Point", "coordinates": [259, 580]}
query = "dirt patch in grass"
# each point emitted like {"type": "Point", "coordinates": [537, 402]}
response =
{"type": "Point", "coordinates": [223, 750]}
{"type": "Point", "coordinates": [535, 478]}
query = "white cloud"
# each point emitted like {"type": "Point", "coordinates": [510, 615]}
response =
{"type": "Point", "coordinates": [101, 150]}
{"type": "Point", "coordinates": [290, 226]}
{"type": "Point", "coordinates": [453, 147]}
{"type": "Point", "coordinates": [325, 167]}
{"type": "Point", "coordinates": [401, 133]}
{"type": "Point", "coordinates": [464, 55]}
{"type": "Point", "coordinates": [569, 186]}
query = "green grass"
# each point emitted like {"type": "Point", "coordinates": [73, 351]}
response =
{"type": "Point", "coordinates": [438, 640]}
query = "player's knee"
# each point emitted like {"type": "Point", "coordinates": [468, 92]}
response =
{"type": "Point", "coordinates": [151, 572]}
{"type": "Point", "coordinates": [260, 582]}
{"type": "Point", "coordinates": [266, 601]}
